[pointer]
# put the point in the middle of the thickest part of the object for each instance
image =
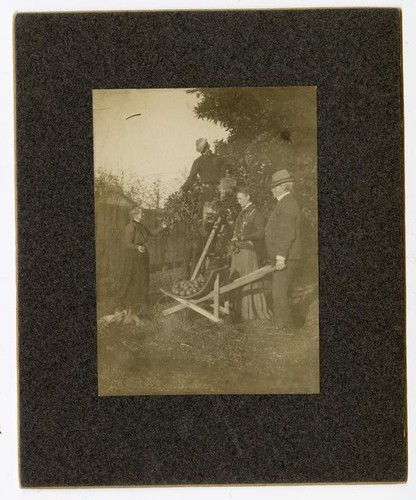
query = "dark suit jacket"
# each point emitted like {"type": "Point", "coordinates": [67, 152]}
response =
{"type": "Point", "coordinates": [210, 169]}
{"type": "Point", "coordinates": [283, 230]}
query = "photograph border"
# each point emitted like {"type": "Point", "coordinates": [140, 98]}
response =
{"type": "Point", "coordinates": [56, 371]}
{"type": "Point", "coordinates": [146, 332]}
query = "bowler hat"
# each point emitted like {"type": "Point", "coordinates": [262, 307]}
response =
{"type": "Point", "coordinates": [280, 177]}
{"type": "Point", "coordinates": [200, 144]}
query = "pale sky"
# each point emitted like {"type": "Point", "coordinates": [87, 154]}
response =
{"type": "Point", "coordinates": [158, 144]}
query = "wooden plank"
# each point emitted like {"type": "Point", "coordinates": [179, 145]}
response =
{"type": "Point", "coordinates": [223, 309]}
{"type": "Point", "coordinates": [217, 296]}
{"type": "Point", "coordinates": [191, 305]}
{"type": "Point", "coordinates": [248, 278]}
{"type": "Point", "coordinates": [226, 308]}
{"type": "Point", "coordinates": [206, 248]}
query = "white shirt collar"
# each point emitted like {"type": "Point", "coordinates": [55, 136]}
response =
{"type": "Point", "coordinates": [278, 198]}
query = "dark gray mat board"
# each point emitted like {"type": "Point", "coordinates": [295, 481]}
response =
{"type": "Point", "coordinates": [354, 430]}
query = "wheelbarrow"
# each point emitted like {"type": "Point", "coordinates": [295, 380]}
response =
{"type": "Point", "coordinates": [213, 294]}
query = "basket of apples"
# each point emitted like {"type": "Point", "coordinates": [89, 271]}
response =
{"type": "Point", "coordinates": [189, 288]}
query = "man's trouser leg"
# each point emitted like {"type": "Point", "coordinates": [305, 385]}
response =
{"type": "Point", "coordinates": [282, 282]}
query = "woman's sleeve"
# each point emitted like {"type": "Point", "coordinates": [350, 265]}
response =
{"type": "Point", "coordinates": [155, 232]}
{"type": "Point", "coordinates": [129, 237]}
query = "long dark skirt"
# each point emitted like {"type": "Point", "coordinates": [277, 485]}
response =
{"type": "Point", "coordinates": [135, 292]}
{"type": "Point", "coordinates": [249, 301]}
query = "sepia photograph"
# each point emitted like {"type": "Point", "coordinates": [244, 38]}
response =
{"type": "Point", "coordinates": [206, 233]}
{"type": "Point", "coordinates": [209, 237]}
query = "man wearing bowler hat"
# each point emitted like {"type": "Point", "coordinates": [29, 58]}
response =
{"type": "Point", "coordinates": [283, 245]}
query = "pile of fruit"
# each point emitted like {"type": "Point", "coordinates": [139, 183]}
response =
{"type": "Point", "coordinates": [184, 288]}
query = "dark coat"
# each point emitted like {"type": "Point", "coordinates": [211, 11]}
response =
{"type": "Point", "coordinates": [283, 230]}
{"type": "Point", "coordinates": [136, 272]}
{"type": "Point", "coordinates": [249, 230]}
{"type": "Point", "coordinates": [208, 167]}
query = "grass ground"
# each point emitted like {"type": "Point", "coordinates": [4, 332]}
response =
{"type": "Point", "coordinates": [185, 353]}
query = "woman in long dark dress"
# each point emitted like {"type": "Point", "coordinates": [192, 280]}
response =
{"type": "Point", "coordinates": [248, 239]}
{"type": "Point", "coordinates": [136, 276]}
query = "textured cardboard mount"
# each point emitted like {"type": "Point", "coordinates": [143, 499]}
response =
{"type": "Point", "coordinates": [354, 430]}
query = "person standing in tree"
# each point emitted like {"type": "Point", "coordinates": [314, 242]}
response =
{"type": "Point", "coordinates": [209, 168]}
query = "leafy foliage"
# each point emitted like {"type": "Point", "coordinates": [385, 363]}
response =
{"type": "Point", "coordinates": [129, 186]}
{"type": "Point", "coordinates": [249, 112]}
{"type": "Point", "coordinates": [184, 207]}
{"type": "Point", "coordinates": [269, 129]}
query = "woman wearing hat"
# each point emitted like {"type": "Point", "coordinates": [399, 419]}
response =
{"type": "Point", "coordinates": [248, 242]}
{"type": "Point", "coordinates": [283, 245]}
{"type": "Point", "coordinates": [136, 275]}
